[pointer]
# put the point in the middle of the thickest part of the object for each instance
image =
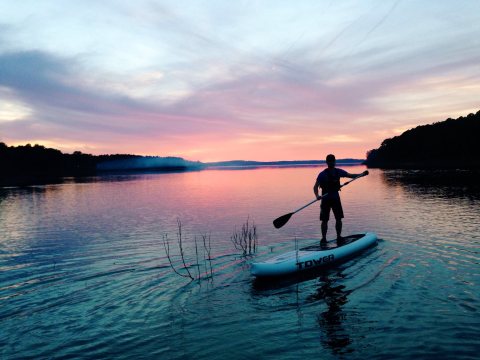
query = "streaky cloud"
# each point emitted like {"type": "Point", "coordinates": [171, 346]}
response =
{"type": "Point", "coordinates": [165, 76]}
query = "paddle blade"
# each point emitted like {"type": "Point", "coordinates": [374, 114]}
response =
{"type": "Point", "coordinates": [282, 220]}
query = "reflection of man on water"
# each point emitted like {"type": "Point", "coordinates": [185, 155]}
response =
{"type": "Point", "coordinates": [329, 181]}
{"type": "Point", "coordinates": [331, 320]}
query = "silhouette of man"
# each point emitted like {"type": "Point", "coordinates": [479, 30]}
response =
{"type": "Point", "coordinates": [329, 181]}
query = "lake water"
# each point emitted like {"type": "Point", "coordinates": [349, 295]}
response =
{"type": "Point", "coordinates": [84, 274]}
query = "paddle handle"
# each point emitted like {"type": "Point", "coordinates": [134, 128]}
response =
{"type": "Point", "coordinates": [348, 182]}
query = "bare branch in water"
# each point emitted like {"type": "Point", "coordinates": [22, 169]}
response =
{"type": "Point", "coordinates": [167, 251]}
{"type": "Point", "coordinates": [196, 256]}
{"type": "Point", "coordinates": [207, 246]}
{"type": "Point", "coordinates": [207, 257]}
{"type": "Point", "coordinates": [246, 239]}
{"type": "Point", "coordinates": [180, 245]}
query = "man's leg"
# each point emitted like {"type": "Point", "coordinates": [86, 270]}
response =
{"type": "Point", "coordinates": [324, 216]}
{"type": "Point", "coordinates": [338, 212]}
{"type": "Point", "coordinates": [338, 227]}
{"type": "Point", "coordinates": [324, 230]}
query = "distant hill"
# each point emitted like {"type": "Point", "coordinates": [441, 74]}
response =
{"type": "Point", "coordinates": [452, 143]}
{"type": "Point", "coordinates": [139, 163]}
{"type": "Point", "coordinates": [249, 163]}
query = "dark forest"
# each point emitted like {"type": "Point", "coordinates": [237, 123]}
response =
{"type": "Point", "coordinates": [453, 143]}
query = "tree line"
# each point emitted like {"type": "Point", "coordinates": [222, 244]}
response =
{"type": "Point", "coordinates": [452, 143]}
{"type": "Point", "coordinates": [39, 160]}
{"type": "Point", "coordinates": [26, 164]}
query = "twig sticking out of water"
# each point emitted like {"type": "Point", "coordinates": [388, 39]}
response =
{"type": "Point", "coordinates": [246, 239]}
{"type": "Point", "coordinates": [196, 256]}
{"type": "Point", "coordinates": [206, 255]}
{"type": "Point", "coordinates": [180, 245]}
{"type": "Point", "coordinates": [167, 251]}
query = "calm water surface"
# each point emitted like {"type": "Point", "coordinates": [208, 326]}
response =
{"type": "Point", "coordinates": [84, 274]}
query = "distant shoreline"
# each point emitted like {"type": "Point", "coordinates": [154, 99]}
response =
{"type": "Point", "coordinates": [19, 180]}
{"type": "Point", "coordinates": [243, 163]}
{"type": "Point", "coordinates": [282, 164]}
{"type": "Point", "coordinates": [26, 164]}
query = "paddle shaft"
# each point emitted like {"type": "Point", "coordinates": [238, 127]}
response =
{"type": "Point", "coordinates": [310, 203]}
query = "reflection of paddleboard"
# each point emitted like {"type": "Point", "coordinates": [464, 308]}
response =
{"type": "Point", "coordinates": [313, 256]}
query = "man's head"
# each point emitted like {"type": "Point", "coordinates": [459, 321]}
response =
{"type": "Point", "coordinates": [331, 160]}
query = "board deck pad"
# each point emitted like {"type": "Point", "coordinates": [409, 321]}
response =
{"type": "Point", "coordinates": [332, 244]}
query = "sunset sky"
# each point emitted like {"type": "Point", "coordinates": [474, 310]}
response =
{"type": "Point", "coordinates": [223, 80]}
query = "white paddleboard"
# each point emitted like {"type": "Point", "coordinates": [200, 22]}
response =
{"type": "Point", "coordinates": [313, 256]}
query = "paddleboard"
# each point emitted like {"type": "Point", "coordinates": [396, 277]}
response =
{"type": "Point", "coordinates": [314, 256]}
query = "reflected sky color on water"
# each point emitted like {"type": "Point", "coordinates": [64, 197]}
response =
{"type": "Point", "coordinates": [83, 270]}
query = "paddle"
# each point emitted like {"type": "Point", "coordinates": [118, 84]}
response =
{"type": "Point", "coordinates": [282, 220]}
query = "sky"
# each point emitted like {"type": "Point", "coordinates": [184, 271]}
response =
{"type": "Point", "coordinates": [228, 80]}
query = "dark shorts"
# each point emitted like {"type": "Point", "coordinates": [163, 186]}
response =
{"type": "Point", "coordinates": [335, 204]}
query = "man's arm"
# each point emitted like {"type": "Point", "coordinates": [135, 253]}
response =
{"type": "Point", "coordinates": [351, 176]}
{"type": "Point", "coordinates": [315, 189]}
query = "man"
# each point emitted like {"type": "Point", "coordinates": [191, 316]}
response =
{"type": "Point", "coordinates": [329, 181]}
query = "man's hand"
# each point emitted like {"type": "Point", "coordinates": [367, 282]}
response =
{"type": "Point", "coordinates": [319, 197]}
